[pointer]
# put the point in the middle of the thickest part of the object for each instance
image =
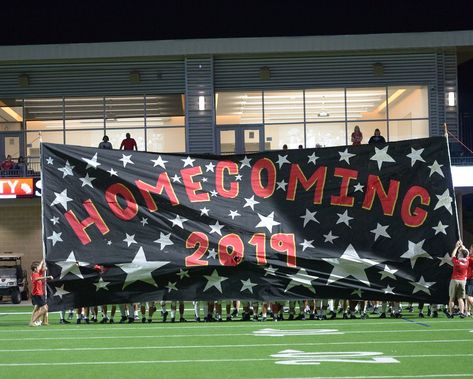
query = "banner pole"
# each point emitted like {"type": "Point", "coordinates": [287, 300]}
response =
{"type": "Point", "coordinates": [42, 217]}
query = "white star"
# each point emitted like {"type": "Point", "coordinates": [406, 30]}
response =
{"type": "Point", "coordinates": [422, 285]}
{"type": "Point", "coordinates": [60, 291]}
{"type": "Point", "coordinates": [281, 185]}
{"type": "Point", "coordinates": [129, 239]}
{"type": "Point", "coordinates": [415, 156]}
{"type": "Point", "coordinates": [251, 202]}
{"type": "Point", "coordinates": [306, 244]}
{"type": "Point", "coordinates": [109, 242]}
{"type": "Point", "coordinates": [234, 214]}
{"type": "Point", "coordinates": [61, 198]}
{"type": "Point", "coordinates": [171, 286]}
{"type": "Point", "coordinates": [270, 270]}
{"type": "Point", "coordinates": [71, 265]}
{"type": "Point", "coordinates": [164, 240]}
{"type": "Point", "coordinates": [214, 280]}
{"type": "Point", "coordinates": [178, 221]}
{"type": "Point", "coordinates": [281, 160]}
{"type": "Point", "coordinates": [444, 200]}
{"type": "Point", "coordinates": [112, 172]}
{"type": "Point", "coordinates": [381, 155]}
{"type": "Point", "coordinates": [183, 274]}
{"type": "Point", "coordinates": [301, 278]}
{"type": "Point", "coordinates": [436, 168]}
{"type": "Point", "coordinates": [380, 230]}
{"type": "Point", "coordinates": [415, 251]}
{"type": "Point", "coordinates": [49, 160]}
{"type": "Point", "coordinates": [54, 220]}
{"type": "Point", "coordinates": [216, 228]}
{"type": "Point", "coordinates": [247, 285]}
{"type": "Point", "coordinates": [55, 237]}
{"type": "Point", "coordinates": [349, 264]}
{"type": "Point", "coordinates": [359, 187]}
{"type": "Point", "coordinates": [440, 228]}
{"type": "Point", "coordinates": [312, 158]}
{"type": "Point", "coordinates": [159, 162]}
{"type": "Point", "coordinates": [144, 221]}
{"type": "Point", "coordinates": [345, 156]}
{"type": "Point", "coordinates": [209, 167]}
{"type": "Point", "coordinates": [344, 218]}
{"type": "Point", "coordinates": [388, 273]}
{"type": "Point", "coordinates": [358, 292]}
{"type": "Point", "coordinates": [66, 170]}
{"type": "Point", "coordinates": [87, 181]}
{"type": "Point", "coordinates": [204, 211]}
{"type": "Point", "coordinates": [245, 162]}
{"type": "Point", "coordinates": [126, 159]}
{"type": "Point", "coordinates": [101, 284]}
{"type": "Point", "coordinates": [389, 289]}
{"type": "Point", "coordinates": [140, 269]}
{"type": "Point", "coordinates": [188, 161]}
{"type": "Point", "coordinates": [91, 162]}
{"type": "Point", "coordinates": [330, 237]}
{"type": "Point", "coordinates": [267, 222]}
{"type": "Point", "coordinates": [309, 216]}
{"type": "Point", "coordinates": [238, 178]}
{"type": "Point", "coordinates": [213, 193]}
{"type": "Point", "coordinates": [212, 253]}
{"type": "Point", "coordinates": [204, 180]}
{"type": "Point", "coordinates": [446, 259]}
{"type": "Point", "coordinates": [176, 178]}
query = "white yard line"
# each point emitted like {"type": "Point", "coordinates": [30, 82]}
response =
{"type": "Point", "coordinates": [382, 376]}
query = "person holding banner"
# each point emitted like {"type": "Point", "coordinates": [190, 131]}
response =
{"type": "Point", "coordinates": [40, 310]}
{"type": "Point", "coordinates": [456, 289]}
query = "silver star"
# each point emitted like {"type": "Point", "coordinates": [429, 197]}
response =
{"type": "Point", "coordinates": [312, 158]}
{"type": "Point", "coordinates": [176, 179]}
{"type": "Point", "coordinates": [344, 218]}
{"type": "Point", "coordinates": [129, 239]}
{"type": "Point", "coordinates": [238, 178]}
{"type": "Point", "coordinates": [209, 167]}
{"type": "Point", "coordinates": [251, 202]}
{"type": "Point", "coordinates": [350, 264]}
{"type": "Point", "coordinates": [101, 285]}
{"type": "Point", "coordinates": [446, 259]}
{"type": "Point", "coordinates": [389, 289]}
{"type": "Point", "coordinates": [309, 216]}
{"type": "Point", "coordinates": [245, 162]}
{"type": "Point", "coordinates": [444, 200]}
{"type": "Point", "coordinates": [66, 170]}
{"type": "Point", "coordinates": [388, 273]}
{"type": "Point", "coordinates": [60, 291]}
{"type": "Point", "coordinates": [171, 286]}
{"type": "Point", "coordinates": [214, 280]}
{"type": "Point", "coordinates": [270, 270]}
{"type": "Point", "coordinates": [178, 221]}
{"type": "Point", "coordinates": [267, 222]}
{"type": "Point", "coordinates": [164, 240]}
{"type": "Point", "coordinates": [436, 168]}
{"type": "Point", "coordinates": [91, 162]}
{"type": "Point", "coordinates": [381, 155]}
{"type": "Point", "coordinates": [112, 172]}
{"type": "Point", "coordinates": [188, 161]}
{"type": "Point", "coordinates": [204, 180]}
{"type": "Point", "coordinates": [415, 156]}
{"type": "Point", "coordinates": [140, 269]}
{"type": "Point", "coordinates": [55, 237]}
{"type": "Point", "coordinates": [109, 242]}
{"type": "Point", "coordinates": [144, 221]}
{"type": "Point", "coordinates": [281, 185]}
{"type": "Point", "coordinates": [247, 285]}
{"type": "Point", "coordinates": [301, 278]}
{"type": "Point", "coordinates": [415, 251]}
{"type": "Point", "coordinates": [380, 230]}
{"type": "Point", "coordinates": [216, 228]}
{"type": "Point", "coordinates": [359, 187]}
{"type": "Point", "coordinates": [213, 193]}
{"type": "Point", "coordinates": [234, 214]}
{"type": "Point", "coordinates": [306, 244]}
{"type": "Point", "coordinates": [212, 254]}
{"type": "Point", "coordinates": [345, 156]}
{"type": "Point", "coordinates": [61, 198]}
{"type": "Point", "coordinates": [358, 292]}
{"type": "Point", "coordinates": [49, 160]}
{"type": "Point", "coordinates": [422, 285]}
{"type": "Point", "coordinates": [87, 181]}
{"type": "Point", "coordinates": [183, 274]}
{"type": "Point", "coordinates": [126, 159]}
{"type": "Point", "coordinates": [330, 237]}
{"type": "Point", "coordinates": [159, 162]}
{"type": "Point", "coordinates": [71, 265]}
{"type": "Point", "coordinates": [281, 160]}
{"type": "Point", "coordinates": [440, 228]}
{"type": "Point", "coordinates": [54, 220]}
{"type": "Point", "coordinates": [204, 211]}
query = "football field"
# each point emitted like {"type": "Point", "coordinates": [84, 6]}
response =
{"type": "Point", "coordinates": [409, 347]}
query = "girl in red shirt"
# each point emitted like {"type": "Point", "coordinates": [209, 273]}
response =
{"type": "Point", "coordinates": [456, 289]}
{"type": "Point", "coordinates": [38, 284]}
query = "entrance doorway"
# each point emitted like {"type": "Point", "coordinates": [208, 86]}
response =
{"type": "Point", "coordinates": [240, 139]}
{"type": "Point", "coordinates": [11, 143]}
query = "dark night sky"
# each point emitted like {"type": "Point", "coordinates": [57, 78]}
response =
{"type": "Point", "coordinates": [101, 21]}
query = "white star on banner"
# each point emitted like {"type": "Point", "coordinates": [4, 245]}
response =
{"type": "Point", "coordinates": [204, 211]}
{"type": "Point", "coordinates": [267, 222]}
{"type": "Point", "coordinates": [330, 237]}
{"type": "Point", "coordinates": [91, 162]}
{"type": "Point", "coordinates": [389, 289]}
{"type": "Point", "coordinates": [87, 181]}
{"type": "Point", "coordinates": [213, 193]}
{"type": "Point", "coordinates": [129, 239]}
{"type": "Point", "coordinates": [140, 269]}
{"type": "Point", "coordinates": [144, 221]}
{"type": "Point", "coordinates": [436, 168]}
{"type": "Point", "coordinates": [71, 265]}
{"type": "Point", "coordinates": [178, 221]}
{"type": "Point", "coordinates": [247, 285]}
{"type": "Point", "coordinates": [350, 264]}
{"type": "Point", "coordinates": [126, 159]}
{"type": "Point", "coordinates": [159, 162]}
{"type": "Point", "coordinates": [270, 270]}
{"type": "Point", "coordinates": [54, 220]}
{"type": "Point", "coordinates": [60, 291]}
{"type": "Point", "coordinates": [444, 200]}
{"type": "Point", "coordinates": [188, 161]}
{"type": "Point", "coordinates": [216, 228]}
{"type": "Point", "coordinates": [61, 198]}
{"type": "Point", "coordinates": [204, 180]}
{"type": "Point", "coordinates": [388, 273]}
{"type": "Point", "coordinates": [312, 158]}
{"type": "Point", "coordinates": [301, 278]}
{"type": "Point", "coordinates": [380, 230]}
{"type": "Point", "coordinates": [345, 156]}
{"type": "Point", "coordinates": [212, 253]}
{"type": "Point", "coordinates": [209, 167]}
{"type": "Point", "coordinates": [440, 228]}
{"type": "Point", "coordinates": [306, 244]}
{"type": "Point", "coordinates": [309, 216]}
{"type": "Point", "coordinates": [238, 178]}
{"type": "Point", "coordinates": [358, 187]}
{"type": "Point", "coordinates": [251, 202]}
{"type": "Point", "coordinates": [446, 259]}
{"type": "Point", "coordinates": [101, 285]}
{"type": "Point", "coordinates": [245, 162]}
{"type": "Point", "coordinates": [66, 170]}
{"type": "Point", "coordinates": [358, 292]}
{"type": "Point", "coordinates": [381, 156]}
{"type": "Point", "coordinates": [171, 286]}
{"type": "Point", "coordinates": [415, 156]}
{"type": "Point", "coordinates": [55, 237]}
{"type": "Point", "coordinates": [281, 185]}
{"type": "Point", "coordinates": [164, 240]}
{"type": "Point", "coordinates": [281, 160]}
{"type": "Point", "coordinates": [415, 251]}
{"type": "Point", "coordinates": [109, 242]}
{"type": "Point", "coordinates": [214, 280]}
{"type": "Point", "coordinates": [49, 160]}
{"type": "Point", "coordinates": [422, 285]}
{"type": "Point", "coordinates": [234, 214]}
{"type": "Point", "coordinates": [183, 274]}
{"type": "Point", "coordinates": [344, 218]}
{"type": "Point", "coordinates": [112, 172]}
{"type": "Point", "coordinates": [176, 179]}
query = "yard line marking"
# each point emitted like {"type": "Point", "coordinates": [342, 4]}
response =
{"type": "Point", "coordinates": [416, 322]}
{"type": "Point", "coordinates": [383, 376]}
{"type": "Point", "coordinates": [303, 358]}
{"type": "Point", "coordinates": [160, 347]}
{"type": "Point", "coordinates": [269, 332]}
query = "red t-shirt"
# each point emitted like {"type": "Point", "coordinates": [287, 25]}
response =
{"type": "Point", "coordinates": [128, 144]}
{"type": "Point", "coordinates": [469, 274]}
{"type": "Point", "coordinates": [460, 268]}
{"type": "Point", "coordinates": [38, 285]}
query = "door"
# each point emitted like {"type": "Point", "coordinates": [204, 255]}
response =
{"type": "Point", "coordinates": [241, 139]}
{"type": "Point", "coordinates": [11, 143]}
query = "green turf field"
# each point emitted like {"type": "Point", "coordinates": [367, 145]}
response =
{"type": "Point", "coordinates": [374, 348]}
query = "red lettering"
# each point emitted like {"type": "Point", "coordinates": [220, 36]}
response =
{"type": "Point", "coordinates": [230, 250]}
{"type": "Point", "coordinates": [375, 187]}
{"type": "Point", "coordinates": [232, 169]}
{"type": "Point", "coordinates": [259, 189]}
{"type": "Point", "coordinates": [297, 176]}
{"type": "Point", "coordinates": [346, 175]}
{"type": "Point", "coordinates": [191, 186]}
{"type": "Point", "coordinates": [162, 184]}
{"type": "Point", "coordinates": [111, 197]}
{"type": "Point", "coordinates": [416, 217]}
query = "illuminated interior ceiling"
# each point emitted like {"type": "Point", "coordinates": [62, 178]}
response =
{"type": "Point", "coordinates": [10, 112]}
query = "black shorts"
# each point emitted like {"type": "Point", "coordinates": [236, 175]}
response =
{"type": "Point", "coordinates": [38, 300]}
{"type": "Point", "coordinates": [469, 287]}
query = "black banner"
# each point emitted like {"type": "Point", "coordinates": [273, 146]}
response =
{"type": "Point", "coordinates": [357, 222]}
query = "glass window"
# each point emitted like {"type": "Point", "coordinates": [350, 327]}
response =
{"type": "Point", "coordinates": [236, 108]}
{"type": "Point", "coordinates": [44, 114]}
{"type": "Point", "coordinates": [366, 103]}
{"type": "Point", "coordinates": [84, 112]}
{"type": "Point", "coordinates": [89, 138]}
{"type": "Point", "coordinates": [278, 135]}
{"type": "Point", "coordinates": [124, 112]}
{"type": "Point", "coordinates": [165, 110]}
{"type": "Point", "coordinates": [33, 140]}
{"type": "Point", "coordinates": [116, 137]}
{"type": "Point", "coordinates": [227, 142]}
{"type": "Point", "coordinates": [326, 134]}
{"type": "Point", "coordinates": [283, 107]}
{"type": "Point", "coordinates": [325, 105]}
{"type": "Point", "coordinates": [166, 140]}
{"type": "Point", "coordinates": [408, 129]}
{"type": "Point", "coordinates": [11, 114]}
{"type": "Point", "coordinates": [367, 129]}
{"type": "Point", "coordinates": [408, 102]}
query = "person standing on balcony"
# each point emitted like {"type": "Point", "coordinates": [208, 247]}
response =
{"type": "Point", "coordinates": [356, 136]}
{"type": "Point", "coordinates": [105, 144]}
{"type": "Point", "coordinates": [128, 143]}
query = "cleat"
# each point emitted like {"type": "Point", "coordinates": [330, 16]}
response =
{"type": "Point", "coordinates": [197, 319]}
{"type": "Point", "coordinates": [70, 316]}
{"type": "Point", "coordinates": [291, 317]}
{"type": "Point", "coordinates": [263, 319]}
{"type": "Point", "coordinates": [333, 315]}
{"type": "Point", "coordinates": [312, 316]}
{"type": "Point", "coordinates": [131, 320]}
{"type": "Point", "coordinates": [150, 320]}
{"type": "Point", "coordinates": [165, 315]}
{"type": "Point", "coordinates": [435, 314]}
{"type": "Point", "coordinates": [421, 315]}
{"type": "Point", "coordinates": [382, 315]}
{"type": "Point", "coordinates": [94, 319]}
{"type": "Point", "coordinates": [364, 316]}
{"type": "Point", "coordinates": [234, 313]}
{"type": "Point", "coordinates": [462, 315]}
{"type": "Point", "coordinates": [143, 320]}
{"type": "Point", "coordinates": [62, 321]}
{"type": "Point", "coordinates": [104, 320]}
{"type": "Point", "coordinates": [123, 319]}
{"type": "Point", "coordinates": [78, 321]}
{"type": "Point", "coordinates": [112, 321]}
{"type": "Point", "coordinates": [182, 319]}
{"type": "Point", "coordinates": [173, 319]}
{"type": "Point", "coordinates": [229, 318]}
{"type": "Point", "coordinates": [255, 318]}
{"type": "Point", "coordinates": [345, 316]}
{"type": "Point", "coordinates": [86, 320]}
{"type": "Point", "coordinates": [301, 317]}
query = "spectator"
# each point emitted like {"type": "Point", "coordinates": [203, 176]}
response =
{"type": "Point", "coordinates": [284, 147]}
{"type": "Point", "coordinates": [128, 143]}
{"type": "Point", "coordinates": [456, 289]}
{"type": "Point", "coordinates": [21, 166]}
{"type": "Point", "coordinates": [7, 164]}
{"type": "Point", "coordinates": [356, 136]}
{"type": "Point", "coordinates": [300, 147]}
{"type": "Point", "coordinates": [376, 138]}
{"type": "Point", "coordinates": [105, 144]}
